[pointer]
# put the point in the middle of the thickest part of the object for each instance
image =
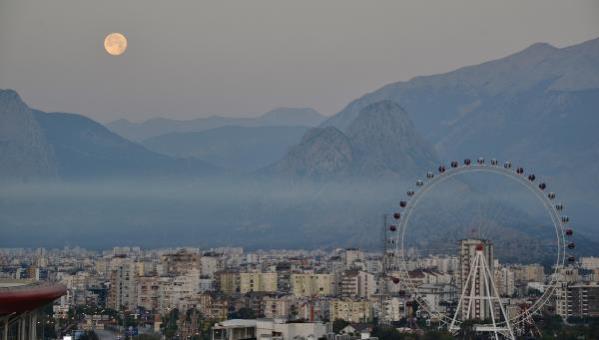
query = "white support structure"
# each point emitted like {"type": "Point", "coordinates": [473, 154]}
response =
{"type": "Point", "coordinates": [486, 295]}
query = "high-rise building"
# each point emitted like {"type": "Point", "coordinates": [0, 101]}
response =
{"type": "Point", "coordinates": [357, 283]}
{"type": "Point", "coordinates": [311, 284]}
{"type": "Point", "coordinates": [479, 309]}
{"type": "Point", "coordinates": [181, 262]}
{"type": "Point", "coordinates": [227, 282]}
{"type": "Point", "coordinates": [504, 281]}
{"type": "Point", "coordinates": [148, 292]}
{"type": "Point", "coordinates": [351, 255]}
{"type": "Point", "coordinates": [123, 287]}
{"type": "Point", "coordinates": [231, 282]}
{"type": "Point", "coordinates": [577, 300]}
{"type": "Point", "coordinates": [209, 265]}
{"type": "Point", "coordinates": [257, 282]}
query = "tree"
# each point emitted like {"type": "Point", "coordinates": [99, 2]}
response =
{"type": "Point", "coordinates": [147, 337]}
{"type": "Point", "coordinates": [243, 313]}
{"type": "Point", "coordinates": [437, 335]}
{"type": "Point", "coordinates": [386, 333]}
{"type": "Point", "coordinates": [339, 324]}
{"type": "Point", "coordinates": [467, 329]}
{"type": "Point", "coordinates": [89, 335]}
{"type": "Point", "coordinates": [170, 323]}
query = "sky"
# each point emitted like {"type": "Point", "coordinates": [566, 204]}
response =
{"type": "Point", "coordinates": [196, 58]}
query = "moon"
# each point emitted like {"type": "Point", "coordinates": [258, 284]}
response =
{"type": "Point", "coordinates": [115, 44]}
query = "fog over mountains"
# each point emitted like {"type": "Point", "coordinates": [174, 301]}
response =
{"type": "Point", "coordinates": [293, 177]}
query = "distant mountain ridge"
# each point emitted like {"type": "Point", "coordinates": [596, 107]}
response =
{"type": "Point", "coordinates": [380, 141]}
{"type": "Point", "coordinates": [237, 148]}
{"type": "Point", "coordinates": [159, 126]}
{"type": "Point", "coordinates": [439, 102]}
{"type": "Point", "coordinates": [64, 145]}
{"type": "Point", "coordinates": [537, 106]}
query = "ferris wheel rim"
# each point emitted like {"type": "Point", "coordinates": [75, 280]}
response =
{"type": "Point", "coordinates": [515, 175]}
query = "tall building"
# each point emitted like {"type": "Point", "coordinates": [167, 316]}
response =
{"type": "Point", "coordinates": [148, 292]}
{"type": "Point", "coordinates": [209, 264]}
{"type": "Point", "coordinates": [231, 282]}
{"type": "Point", "coordinates": [504, 281]}
{"type": "Point", "coordinates": [351, 255]}
{"type": "Point", "coordinates": [529, 273]}
{"type": "Point", "coordinates": [310, 284]}
{"type": "Point", "coordinates": [181, 262]}
{"type": "Point", "coordinates": [123, 287]}
{"type": "Point", "coordinates": [357, 283]}
{"type": "Point", "coordinates": [478, 309]}
{"type": "Point", "coordinates": [577, 300]}
{"type": "Point", "coordinates": [227, 282]}
{"type": "Point", "coordinates": [257, 282]}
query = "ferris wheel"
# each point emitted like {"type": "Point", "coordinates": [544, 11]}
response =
{"type": "Point", "coordinates": [396, 248]}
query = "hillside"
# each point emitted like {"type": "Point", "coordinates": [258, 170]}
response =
{"type": "Point", "coordinates": [381, 141]}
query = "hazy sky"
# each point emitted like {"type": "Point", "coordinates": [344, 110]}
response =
{"type": "Point", "coordinates": [198, 58]}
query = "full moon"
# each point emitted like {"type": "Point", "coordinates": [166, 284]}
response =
{"type": "Point", "coordinates": [115, 44]}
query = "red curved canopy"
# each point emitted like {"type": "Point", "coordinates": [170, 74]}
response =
{"type": "Point", "coordinates": [28, 297]}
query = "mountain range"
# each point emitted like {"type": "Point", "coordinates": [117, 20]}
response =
{"type": "Point", "coordinates": [327, 177]}
{"type": "Point", "coordinates": [537, 107]}
{"type": "Point", "coordinates": [160, 126]}
{"type": "Point", "coordinates": [42, 145]}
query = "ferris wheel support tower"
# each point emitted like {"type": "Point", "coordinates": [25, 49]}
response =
{"type": "Point", "coordinates": [480, 289]}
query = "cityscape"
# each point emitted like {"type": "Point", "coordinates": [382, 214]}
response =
{"type": "Point", "coordinates": [221, 292]}
{"type": "Point", "coordinates": [299, 170]}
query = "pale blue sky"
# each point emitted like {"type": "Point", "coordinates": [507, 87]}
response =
{"type": "Point", "coordinates": [197, 58]}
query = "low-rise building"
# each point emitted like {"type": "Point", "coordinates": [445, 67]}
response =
{"type": "Point", "coordinates": [267, 329]}
{"type": "Point", "coordinates": [350, 310]}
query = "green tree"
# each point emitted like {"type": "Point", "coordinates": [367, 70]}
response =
{"type": "Point", "coordinates": [170, 323]}
{"type": "Point", "coordinates": [243, 313]}
{"type": "Point", "coordinates": [387, 333]}
{"type": "Point", "coordinates": [437, 335]}
{"type": "Point", "coordinates": [147, 337]}
{"type": "Point", "coordinates": [339, 324]}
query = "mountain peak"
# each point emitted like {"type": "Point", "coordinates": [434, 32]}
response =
{"type": "Point", "coordinates": [540, 46]}
{"type": "Point", "coordinates": [24, 150]}
{"type": "Point", "coordinates": [380, 141]}
{"type": "Point", "coordinates": [322, 153]}
{"type": "Point", "coordinates": [385, 118]}
{"type": "Point", "coordinates": [385, 140]}
{"type": "Point", "coordinates": [9, 95]}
